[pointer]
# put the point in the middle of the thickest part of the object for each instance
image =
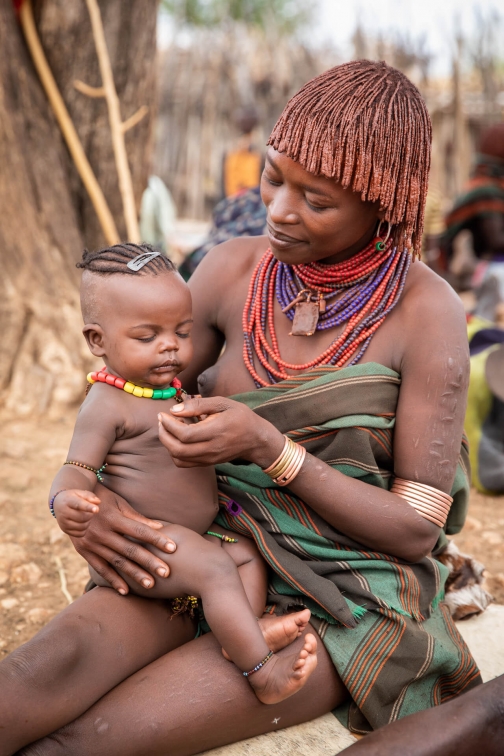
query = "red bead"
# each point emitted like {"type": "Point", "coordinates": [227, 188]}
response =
{"type": "Point", "coordinates": [176, 383]}
{"type": "Point", "coordinates": [110, 379]}
{"type": "Point", "coordinates": [119, 383]}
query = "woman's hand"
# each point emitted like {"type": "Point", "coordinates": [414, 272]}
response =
{"type": "Point", "coordinates": [229, 430]}
{"type": "Point", "coordinates": [106, 544]}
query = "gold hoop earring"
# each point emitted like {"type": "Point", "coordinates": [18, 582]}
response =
{"type": "Point", "coordinates": [379, 242]}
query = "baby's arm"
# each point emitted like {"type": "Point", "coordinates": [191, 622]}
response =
{"type": "Point", "coordinates": [71, 496]}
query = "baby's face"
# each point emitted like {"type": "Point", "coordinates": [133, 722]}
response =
{"type": "Point", "coordinates": [146, 323]}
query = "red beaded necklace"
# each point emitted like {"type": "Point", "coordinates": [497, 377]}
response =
{"type": "Point", "coordinates": [381, 272]}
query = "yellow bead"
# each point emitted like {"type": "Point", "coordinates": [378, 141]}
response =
{"type": "Point", "coordinates": [147, 392]}
{"type": "Point", "coordinates": [129, 387]}
{"type": "Point", "coordinates": [89, 379]}
{"type": "Point", "coordinates": [137, 391]}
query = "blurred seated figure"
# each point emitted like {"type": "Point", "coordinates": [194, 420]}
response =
{"type": "Point", "coordinates": [484, 423]}
{"type": "Point", "coordinates": [241, 212]}
{"type": "Point", "coordinates": [480, 211]}
{"type": "Point", "coordinates": [240, 215]}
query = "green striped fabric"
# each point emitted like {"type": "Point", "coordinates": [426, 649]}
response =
{"type": "Point", "coordinates": [391, 639]}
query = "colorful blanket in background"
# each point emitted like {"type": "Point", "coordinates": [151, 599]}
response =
{"type": "Point", "coordinates": [240, 215]}
{"type": "Point", "coordinates": [392, 642]}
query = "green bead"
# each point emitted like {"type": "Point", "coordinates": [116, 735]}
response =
{"type": "Point", "coordinates": [169, 392]}
{"type": "Point", "coordinates": [158, 394]}
{"type": "Point", "coordinates": [380, 246]}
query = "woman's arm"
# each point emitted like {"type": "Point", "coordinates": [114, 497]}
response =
{"type": "Point", "coordinates": [429, 421]}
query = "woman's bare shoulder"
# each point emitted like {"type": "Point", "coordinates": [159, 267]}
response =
{"type": "Point", "coordinates": [433, 318]}
{"type": "Point", "coordinates": [431, 298]}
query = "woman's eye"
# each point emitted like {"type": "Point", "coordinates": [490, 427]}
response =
{"type": "Point", "coordinates": [183, 335]}
{"type": "Point", "coordinates": [146, 339]}
{"type": "Point", "coordinates": [317, 208]}
{"type": "Point", "coordinates": [271, 181]}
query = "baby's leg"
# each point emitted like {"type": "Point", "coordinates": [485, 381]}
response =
{"type": "Point", "coordinates": [202, 568]}
{"type": "Point", "coordinates": [278, 631]}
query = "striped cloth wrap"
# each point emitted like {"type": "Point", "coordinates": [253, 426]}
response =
{"type": "Point", "coordinates": [382, 620]}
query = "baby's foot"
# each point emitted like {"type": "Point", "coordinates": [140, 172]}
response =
{"type": "Point", "coordinates": [280, 632]}
{"type": "Point", "coordinates": [283, 676]}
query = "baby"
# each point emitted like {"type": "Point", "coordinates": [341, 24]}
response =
{"type": "Point", "coordinates": [137, 315]}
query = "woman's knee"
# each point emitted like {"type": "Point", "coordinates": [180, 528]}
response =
{"type": "Point", "coordinates": [56, 651]}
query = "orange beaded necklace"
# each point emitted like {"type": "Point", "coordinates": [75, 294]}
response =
{"type": "Point", "coordinates": [373, 279]}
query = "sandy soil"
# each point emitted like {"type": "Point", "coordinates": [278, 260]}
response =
{"type": "Point", "coordinates": [39, 570]}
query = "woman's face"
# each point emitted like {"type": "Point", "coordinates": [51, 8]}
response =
{"type": "Point", "coordinates": [312, 217]}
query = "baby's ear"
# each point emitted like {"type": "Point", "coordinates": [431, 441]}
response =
{"type": "Point", "coordinates": [93, 333]}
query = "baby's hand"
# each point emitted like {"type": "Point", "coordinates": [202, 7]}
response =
{"type": "Point", "coordinates": [74, 509]}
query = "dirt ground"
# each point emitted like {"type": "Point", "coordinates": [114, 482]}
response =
{"type": "Point", "coordinates": [40, 573]}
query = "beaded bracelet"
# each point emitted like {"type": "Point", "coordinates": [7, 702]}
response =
{"type": "Point", "coordinates": [51, 502]}
{"type": "Point", "coordinates": [286, 467]}
{"type": "Point", "coordinates": [430, 503]}
{"type": "Point", "coordinates": [97, 472]}
{"type": "Point", "coordinates": [258, 666]}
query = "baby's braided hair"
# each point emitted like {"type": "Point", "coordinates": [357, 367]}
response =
{"type": "Point", "coordinates": [115, 259]}
{"type": "Point", "coordinates": [365, 125]}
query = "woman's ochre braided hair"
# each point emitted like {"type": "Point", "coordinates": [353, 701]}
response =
{"type": "Point", "coordinates": [365, 125]}
{"type": "Point", "coordinates": [115, 260]}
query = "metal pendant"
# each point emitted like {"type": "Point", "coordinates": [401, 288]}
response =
{"type": "Point", "coordinates": [306, 316]}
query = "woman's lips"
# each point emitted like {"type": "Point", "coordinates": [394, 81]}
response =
{"type": "Point", "coordinates": [282, 241]}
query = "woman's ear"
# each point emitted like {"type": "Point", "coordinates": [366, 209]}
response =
{"type": "Point", "coordinates": [93, 333]}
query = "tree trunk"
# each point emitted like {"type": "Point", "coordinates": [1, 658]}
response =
{"type": "Point", "coordinates": [47, 218]}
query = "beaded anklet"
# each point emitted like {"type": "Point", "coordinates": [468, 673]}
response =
{"type": "Point", "coordinates": [225, 538]}
{"type": "Point", "coordinates": [258, 666]}
{"type": "Point", "coordinates": [175, 390]}
{"type": "Point", "coordinates": [97, 472]}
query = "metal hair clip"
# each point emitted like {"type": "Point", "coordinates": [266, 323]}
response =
{"type": "Point", "coordinates": [138, 262]}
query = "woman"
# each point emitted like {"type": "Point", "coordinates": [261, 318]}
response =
{"type": "Point", "coordinates": [350, 150]}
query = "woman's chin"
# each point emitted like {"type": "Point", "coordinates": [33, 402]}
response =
{"type": "Point", "coordinates": [291, 253]}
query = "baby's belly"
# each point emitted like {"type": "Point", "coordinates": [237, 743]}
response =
{"type": "Point", "coordinates": [182, 496]}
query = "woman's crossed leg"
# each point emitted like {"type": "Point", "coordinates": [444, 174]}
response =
{"type": "Point", "coordinates": [107, 666]}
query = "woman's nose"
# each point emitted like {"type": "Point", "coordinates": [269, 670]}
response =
{"type": "Point", "coordinates": [281, 207]}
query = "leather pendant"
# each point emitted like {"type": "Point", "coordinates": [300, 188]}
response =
{"type": "Point", "coordinates": [306, 317]}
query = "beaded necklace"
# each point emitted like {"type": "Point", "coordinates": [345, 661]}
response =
{"type": "Point", "coordinates": [372, 282]}
{"type": "Point", "coordinates": [103, 376]}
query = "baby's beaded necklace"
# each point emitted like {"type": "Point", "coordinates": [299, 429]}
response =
{"type": "Point", "coordinates": [102, 376]}
{"type": "Point", "coordinates": [374, 278]}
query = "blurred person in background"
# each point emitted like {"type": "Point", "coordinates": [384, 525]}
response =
{"type": "Point", "coordinates": [480, 211]}
{"type": "Point", "coordinates": [242, 165]}
{"type": "Point", "coordinates": [241, 212]}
